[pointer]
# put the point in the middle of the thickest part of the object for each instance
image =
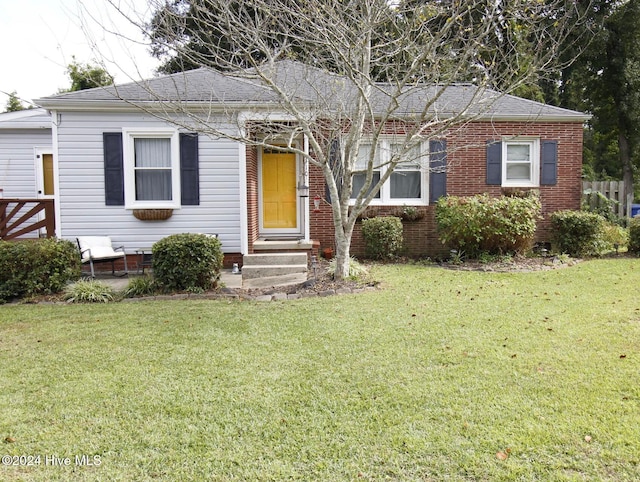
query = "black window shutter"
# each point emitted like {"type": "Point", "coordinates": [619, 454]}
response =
{"type": "Point", "coordinates": [494, 163]}
{"type": "Point", "coordinates": [549, 163]}
{"type": "Point", "coordinates": [189, 176]}
{"type": "Point", "coordinates": [437, 169]}
{"type": "Point", "coordinates": [113, 169]}
{"type": "Point", "coordinates": [336, 168]}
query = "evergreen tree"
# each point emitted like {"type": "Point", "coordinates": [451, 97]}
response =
{"type": "Point", "coordinates": [14, 103]}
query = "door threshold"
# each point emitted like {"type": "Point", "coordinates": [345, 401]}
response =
{"type": "Point", "coordinates": [280, 238]}
{"type": "Point", "coordinates": [272, 244]}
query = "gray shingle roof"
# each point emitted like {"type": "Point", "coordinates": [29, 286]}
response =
{"type": "Point", "coordinates": [200, 85]}
{"type": "Point", "coordinates": [313, 86]}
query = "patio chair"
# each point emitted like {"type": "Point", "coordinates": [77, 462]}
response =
{"type": "Point", "coordinates": [98, 249]}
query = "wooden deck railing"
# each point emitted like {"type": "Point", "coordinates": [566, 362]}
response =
{"type": "Point", "coordinates": [19, 217]}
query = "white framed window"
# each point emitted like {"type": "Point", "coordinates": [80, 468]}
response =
{"type": "Point", "coordinates": [358, 179]}
{"type": "Point", "coordinates": [407, 183]}
{"type": "Point", "coordinates": [151, 168]}
{"type": "Point", "coordinates": [521, 162]}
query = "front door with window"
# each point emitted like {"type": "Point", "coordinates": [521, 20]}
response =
{"type": "Point", "coordinates": [45, 177]}
{"type": "Point", "coordinates": [279, 199]}
{"type": "Point", "coordinates": [45, 180]}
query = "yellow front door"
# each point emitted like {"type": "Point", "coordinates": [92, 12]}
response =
{"type": "Point", "coordinates": [279, 197]}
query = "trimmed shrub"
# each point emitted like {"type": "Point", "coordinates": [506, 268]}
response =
{"type": "Point", "coordinates": [481, 224]}
{"type": "Point", "coordinates": [382, 237]}
{"type": "Point", "coordinates": [37, 267]}
{"type": "Point", "coordinates": [578, 233]}
{"type": "Point", "coordinates": [89, 291]}
{"type": "Point", "coordinates": [634, 235]}
{"type": "Point", "coordinates": [187, 261]}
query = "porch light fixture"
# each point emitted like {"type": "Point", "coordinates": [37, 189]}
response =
{"type": "Point", "coordinates": [303, 190]}
{"type": "Point", "coordinates": [303, 186]}
{"type": "Point", "coordinates": [316, 204]}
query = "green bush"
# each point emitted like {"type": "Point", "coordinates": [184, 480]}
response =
{"type": "Point", "coordinates": [140, 286]}
{"type": "Point", "coordinates": [382, 237]}
{"type": "Point", "coordinates": [89, 291]}
{"type": "Point", "coordinates": [481, 224]}
{"type": "Point", "coordinates": [578, 233]}
{"type": "Point", "coordinates": [634, 235]}
{"type": "Point", "coordinates": [613, 237]}
{"type": "Point", "coordinates": [36, 267]}
{"type": "Point", "coordinates": [187, 262]}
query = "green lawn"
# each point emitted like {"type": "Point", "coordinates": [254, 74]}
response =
{"type": "Point", "coordinates": [439, 375]}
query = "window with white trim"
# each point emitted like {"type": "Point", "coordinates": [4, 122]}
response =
{"type": "Point", "coordinates": [359, 179]}
{"type": "Point", "coordinates": [521, 162]}
{"type": "Point", "coordinates": [151, 168]}
{"type": "Point", "coordinates": [407, 183]}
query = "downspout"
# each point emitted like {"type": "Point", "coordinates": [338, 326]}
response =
{"type": "Point", "coordinates": [56, 119]}
{"type": "Point", "coordinates": [305, 207]}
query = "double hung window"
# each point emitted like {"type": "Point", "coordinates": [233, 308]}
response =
{"type": "Point", "coordinates": [521, 162]}
{"type": "Point", "coordinates": [407, 184]}
{"type": "Point", "coordinates": [359, 178]}
{"type": "Point", "coordinates": [152, 169]}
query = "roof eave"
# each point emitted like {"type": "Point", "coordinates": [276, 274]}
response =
{"type": "Point", "coordinates": [577, 118]}
{"type": "Point", "coordinates": [154, 105]}
{"type": "Point", "coordinates": [489, 117]}
{"type": "Point", "coordinates": [118, 105]}
{"type": "Point", "coordinates": [22, 119]}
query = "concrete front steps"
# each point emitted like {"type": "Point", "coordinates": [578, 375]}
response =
{"type": "Point", "coordinates": [273, 269]}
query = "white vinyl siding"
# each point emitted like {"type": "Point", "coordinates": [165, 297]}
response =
{"type": "Point", "coordinates": [17, 160]}
{"type": "Point", "coordinates": [82, 192]}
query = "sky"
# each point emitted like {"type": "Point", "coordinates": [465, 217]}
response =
{"type": "Point", "coordinates": [38, 39]}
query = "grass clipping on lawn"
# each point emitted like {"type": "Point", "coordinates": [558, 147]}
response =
{"type": "Point", "coordinates": [438, 375]}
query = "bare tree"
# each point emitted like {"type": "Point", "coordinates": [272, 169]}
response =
{"type": "Point", "coordinates": [374, 67]}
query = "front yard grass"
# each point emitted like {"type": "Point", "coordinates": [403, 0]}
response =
{"type": "Point", "coordinates": [439, 375]}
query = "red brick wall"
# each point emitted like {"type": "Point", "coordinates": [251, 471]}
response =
{"type": "Point", "coordinates": [252, 196]}
{"type": "Point", "coordinates": [466, 175]}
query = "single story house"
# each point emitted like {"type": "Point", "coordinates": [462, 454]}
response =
{"type": "Point", "coordinates": [114, 168]}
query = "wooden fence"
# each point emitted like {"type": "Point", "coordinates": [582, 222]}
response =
{"type": "Point", "coordinates": [613, 190]}
{"type": "Point", "coordinates": [23, 217]}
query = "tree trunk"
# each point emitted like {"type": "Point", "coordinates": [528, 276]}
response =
{"type": "Point", "coordinates": [627, 164]}
{"type": "Point", "coordinates": [343, 257]}
{"type": "Point", "coordinates": [343, 235]}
